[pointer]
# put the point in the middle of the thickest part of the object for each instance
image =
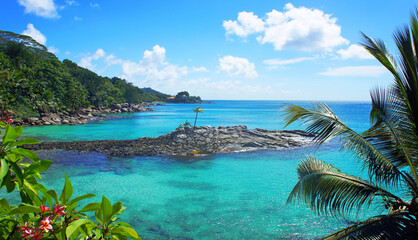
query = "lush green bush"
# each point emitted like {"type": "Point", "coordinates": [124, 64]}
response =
{"type": "Point", "coordinates": [42, 214]}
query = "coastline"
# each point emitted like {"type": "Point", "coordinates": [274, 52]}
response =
{"type": "Point", "coordinates": [84, 115]}
{"type": "Point", "coordinates": [190, 141]}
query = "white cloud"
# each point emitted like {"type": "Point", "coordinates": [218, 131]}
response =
{"type": "Point", "coordinates": [34, 33]}
{"type": "Point", "coordinates": [86, 62]}
{"type": "Point", "coordinates": [295, 28]}
{"type": "Point", "coordinates": [279, 62]}
{"type": "Point", "coordinates": [246, 24]}
{"type": "Point", "coordinates": [71, 2]}
{"type": "Point", "coordinates": [42, 8]}
{"type": "Point", "coordinates": [235, 66]}
{"type": "Point", "coordinates": [94, 5]}
{"type": "Point", "coordinates": [355, 71]}
{"type": "Point", "coordinates": [355, 51]}
{"type": "Point", "coordinates": [152, 70]}
{"type": "Point", "coordinates": [53, 50]}
{"type": "Point", "coordinates": [77, 18]}
{"type": "Point", "coordinates": [199, 69]}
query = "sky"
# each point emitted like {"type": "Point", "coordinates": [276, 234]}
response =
{"type": "Point", "coordinates": [230, 49]}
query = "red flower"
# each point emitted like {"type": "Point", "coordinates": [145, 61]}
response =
{"type": "Point", "coordinates": [45, 224]}
{"type": "Point", "coordinates": [44, 209]}
{"type": "Point", "coordinates": [58, 210]}
{"type": "Point", "coordinates": [30, 233]}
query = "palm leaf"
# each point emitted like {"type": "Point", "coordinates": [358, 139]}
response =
{"type": "Point", "coordinates": [322, 121]}
{"type": "Point", "coordinates": [329, 191]}
{"type": "Point", "coordinates": [393, 226]}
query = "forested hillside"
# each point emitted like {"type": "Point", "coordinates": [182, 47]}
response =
{"type": "Point", "coordinates": [34, 81]}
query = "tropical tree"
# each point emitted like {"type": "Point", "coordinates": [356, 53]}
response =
{"type": "Point", "coordinates": [197, 111]}
{"type": "Point", "coordinates": [388, 150]}
{"type": "Point", "coordinates": [183, 125]}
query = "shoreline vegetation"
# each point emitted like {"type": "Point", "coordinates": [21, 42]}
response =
{"type": "Point", "coordinates": [190, 141]}
{"type": "Point", "coordinates": [34, 83]}
{"type": "Point", "coordinates": [84, 115]}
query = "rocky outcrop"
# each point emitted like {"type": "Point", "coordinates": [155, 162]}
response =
{"type": "Point", "coordinates": [191, 141]}
{"type": "Point", "coordinates": [84, 115]}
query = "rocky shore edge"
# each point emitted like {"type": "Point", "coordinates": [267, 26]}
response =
{"type": "Point", "coordinates": [190, 141]}
{"type": "Point", "coordinates": [84, 115]}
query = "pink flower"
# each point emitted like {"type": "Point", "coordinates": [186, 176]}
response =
{"type": "Point", "coordinates": [44, 209]}
{"type": "Point", "coordinates": [58, 210]}
{"type": "Point", "coordinates": [30, 233]}
{"type": "Point", "coordinates": [45, 224]}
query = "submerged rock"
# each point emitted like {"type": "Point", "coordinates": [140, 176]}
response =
{"type": "Point", "coordinates": [191, 141]}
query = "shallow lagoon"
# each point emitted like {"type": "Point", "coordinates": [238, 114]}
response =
{"type": "Point", "coordinates": [223, 196]}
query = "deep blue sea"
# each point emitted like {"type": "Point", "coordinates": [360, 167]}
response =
{"type": "Point", "coordinates": [222, 196]}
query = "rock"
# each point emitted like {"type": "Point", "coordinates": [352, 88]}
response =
{"type": "Point", "coordinates": [33, 119]}
{"type": "Point", "coordinates": [183, 141]}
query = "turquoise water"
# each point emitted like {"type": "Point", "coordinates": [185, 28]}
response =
{"type": "Point", "coordinates": [223, 196]}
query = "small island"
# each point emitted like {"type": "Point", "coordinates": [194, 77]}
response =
{"type": "Point", "coordinates": [190, 141]}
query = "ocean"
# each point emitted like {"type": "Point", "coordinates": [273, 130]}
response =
{"type": "Point", "coordinates": [220, 196]}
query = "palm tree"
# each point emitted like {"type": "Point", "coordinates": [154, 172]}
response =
{"type": "Point", "coordinates": [388, 150]}
{"type": "Point", "coordinates": [197, 111]}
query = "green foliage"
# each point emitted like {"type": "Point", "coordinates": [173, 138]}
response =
{"type": "Point", "coordinates": [41, 213]}
{"type": "Point", "coordinates": [33, 81]}
{"type": "Point", "coordinates": [388, 150]}
{"type": "Point", "coordinates": [184, 97]}
{"type": "Point", "coordinates": [186, 124]}
{"type": "Point", "coordinates": [197, 111]}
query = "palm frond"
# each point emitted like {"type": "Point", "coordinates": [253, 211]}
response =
{"type": "Point", "coordinates": [329, 191]}
{"type": "Point", "coordinates": [393, 226]}
{"type": "Point", "coordinates": [322, 121]}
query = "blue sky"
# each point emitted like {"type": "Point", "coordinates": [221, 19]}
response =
{"type": "Point", "coordinates": [244, 49]}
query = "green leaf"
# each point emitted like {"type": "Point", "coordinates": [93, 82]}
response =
{"type": "Point", "coordinates": [4, 169]}
{"type": "Point", "coordinates": [18, 131]}
{"type": "Point", "coordinates": [126, 231]}
{"type": "Point", "coordinates": [117, 207]}
{"type": "Point", "coordinates": [53, 194]}
{"type": "Point", "coordinates": [25, 152]}
{"type": "Point", "coordinates": [10, 186]}
{"type": "Point", "coordinates": [18, 173]}
{"type": "Point", "coordinates": [37, 167]}
{"type": "Point", "coordinates": [2, 124]}
{"type": "Point", "coordinates": [106, 208]}
{"type": "Point", "coordinates": [91, 207]}
{"type": "Point", "coordinates": [10, 135]}
{"type": "Point", "coordinates": [24, 209]}
{"type": "Point", "coordinates": [25, 141]}
{"type": "Point", "coordinates": [90, 195]}
{"type": "Point", "coordinates": [73, 226]}
{"type": "Point", "coordinates": [67, 191]}
{"type": "Point", "coordinates": [4, 206]}
{"type": "Point", "coordinates": [98, 216]}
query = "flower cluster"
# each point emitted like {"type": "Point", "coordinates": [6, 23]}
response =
{"type": "Point", "coordinates": [6, 117]}
{"type": "Point", "coordinates": [32, 232]}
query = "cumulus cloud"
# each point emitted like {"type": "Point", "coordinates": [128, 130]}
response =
{"type": "Point", "coordinates": [236, 66]}
{"type": "Point", "coordinates": [53, 50]}
{"type": "Point", "coordinates": [34, 33]}
{"type": "Point", "coordinates": [41, 8]}
{"type": "Point", "coordinates": [355, 71]}
{"type": "Point", "coordinates": [279, 62]}
{"type": "Point", "coordinates": [354, 51]}
{"type": "Point", "coordinates": [152, 70]}
{"type": "Point", "coordinates": [247, 23]}
{"type": "Point", "coordinates": [295, 28]}
{"type": "Point", "coordinates": [86, 62]}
